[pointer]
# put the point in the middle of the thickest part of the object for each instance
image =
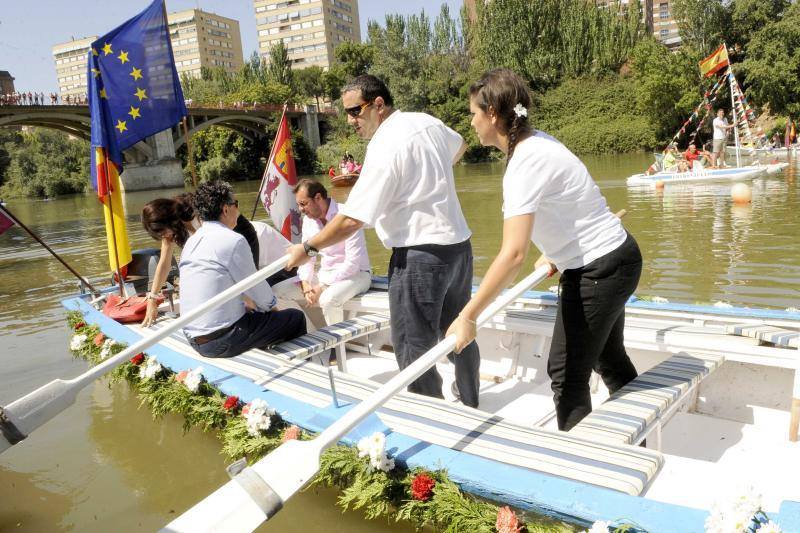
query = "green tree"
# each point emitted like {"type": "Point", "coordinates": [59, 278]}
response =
{"type": "Point", "coordinates": [353, 58]}
{"type": "Point", "coordinates": [310, 82]}
{"type": "Point", "coordinates": [702, 24]}
{"type": "Point", "coordinates": [279, 66]}
{"type": "Point", "coordinates": [772, 67]}
{"type": "Point", "coordinates": [750, 16]}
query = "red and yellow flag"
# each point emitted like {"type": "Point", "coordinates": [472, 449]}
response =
{"type": "Point", "coordinates": [110, 191]}
{"type": "Point", "coordinates": [278, 183]}
{"type": "Point", "coordinates": [715, 61]}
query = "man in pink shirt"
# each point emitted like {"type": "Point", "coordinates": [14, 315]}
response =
{"type": "Point", "coordinates": [344, 270]}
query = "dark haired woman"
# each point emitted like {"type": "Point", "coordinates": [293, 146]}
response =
{"type": "Point", "coordinates": [172, 221]}
{"type": "Point", "coordinates": [550, 199]}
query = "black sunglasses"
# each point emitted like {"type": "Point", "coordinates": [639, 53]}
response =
{"type": "Point", "coordinates": [356, 110]}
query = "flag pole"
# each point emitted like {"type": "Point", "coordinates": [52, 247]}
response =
{"type": "Point", "coordinates": [271, 154]}
{"type": "Point", "coordinates": [189, 152]}
{"type": "Point", "coordinates": [113, 229]}
{"type": "Point", "coordinates": [19, 223]}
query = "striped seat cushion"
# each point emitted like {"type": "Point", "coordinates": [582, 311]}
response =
{"type": "Point", "coordinates": [786, 338]}
{"type": "Point", "coordinates": [627, 415]}
{"type": "Point", "coordinates": [325, 338]}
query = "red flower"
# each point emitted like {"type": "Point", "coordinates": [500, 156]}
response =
{"type": "Point", "coordinates": [181, 376]}
{"type": "Point", "coordinates": [137, 359]}
{"type": "Point", "coordinates": [507, 521]}
{"type": "Point", "coordinates": [422, 487]}
{"type": "Point", "coordinates": [99, 339]}
{"type": "Point", "coordinates": [292, 433]}
{"type": "Point", "coordinates": [231, 403]}
{"type": "Point", "coordinates": [79, 325]}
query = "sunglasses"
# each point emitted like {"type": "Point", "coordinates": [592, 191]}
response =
{"type": "Point", "coordinates": [356, 110]}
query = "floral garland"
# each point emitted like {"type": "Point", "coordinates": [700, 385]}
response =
{"type": "Point", "coordinates": [367, 476]}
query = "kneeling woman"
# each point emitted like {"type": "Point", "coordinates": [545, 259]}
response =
{"type": "Point", "coordinates": [550, 199]}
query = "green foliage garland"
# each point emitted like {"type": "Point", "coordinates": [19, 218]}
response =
{"type": "Point", "coordinates": [376, 493]}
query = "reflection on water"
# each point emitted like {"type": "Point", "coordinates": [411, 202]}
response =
{"type": "Point", "coordinates": [104, 464]}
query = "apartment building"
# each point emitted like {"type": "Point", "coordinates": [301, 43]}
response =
{"type": "Point", "coordinates": [201, 39]}
{"type": "Point", "coordinates": [71, 59]}
{"type": "Point", "coordinates": [665, 28]}
{"type": "Point", "coordinates": [310, 29]}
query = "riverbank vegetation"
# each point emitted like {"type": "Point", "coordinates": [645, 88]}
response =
{"type": "Point", "coordinates": [601, 83]}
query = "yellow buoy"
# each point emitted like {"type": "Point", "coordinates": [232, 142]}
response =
{"type": "Point", "coordinates": [659, 184]}
{"type": "Point", "coordinates": [741, 194]}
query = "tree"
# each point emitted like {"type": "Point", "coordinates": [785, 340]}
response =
{"type": "Point", "coordinates": [279, 66]}
{"type": "Point", "coordinates": [354, 58]}
{"type": "Point", "coordinates": [310, 82]}
{"type": "Point", "coordinates": [750, 16]}
{"type": "Point", "coordinates": [772, 67]}
{"type": "Point", "coordinates": [702, 24]}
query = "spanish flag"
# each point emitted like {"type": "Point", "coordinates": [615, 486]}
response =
{"type": "Point", "coordinates": [109, 193]}
{"type": "Point", "coordinates": [714, 62]}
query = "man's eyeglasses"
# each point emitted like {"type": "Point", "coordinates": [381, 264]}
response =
{"type": "Point", "coordinates": [234, 203]}
{"type": "Point", "coordinates": [356, 110]}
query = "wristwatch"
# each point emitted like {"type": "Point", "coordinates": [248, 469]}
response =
{"type": "Point", "coordinates": [310, 250]}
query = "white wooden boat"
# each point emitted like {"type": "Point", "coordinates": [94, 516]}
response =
{"type": "Point", "coordinates": [712, 400]}
{"type": "Point", "coordinates": [706, 174]}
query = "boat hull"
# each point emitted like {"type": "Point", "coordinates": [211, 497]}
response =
{"type": "Point", "coordinates": [740, 173]}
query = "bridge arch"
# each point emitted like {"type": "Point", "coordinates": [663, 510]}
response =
{"type": "Point", "coordinates": [244, 125]}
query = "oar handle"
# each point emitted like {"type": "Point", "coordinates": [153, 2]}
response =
{"type": "Point", "coordinates": [39, 406]}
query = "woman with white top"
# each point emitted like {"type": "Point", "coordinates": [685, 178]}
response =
{"type": "Point", "coordinates": [550, 199]}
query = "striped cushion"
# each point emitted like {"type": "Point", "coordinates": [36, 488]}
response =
{"type": "Point", "coordinates": [325, 338]}
{"type": "Point", "coordinates": [628, 413]}
{"type": "Point", "coordinates": [787, 338]}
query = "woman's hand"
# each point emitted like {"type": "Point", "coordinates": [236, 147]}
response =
{"type": "Point", "coordinates": [465, 331]}
{"type": "Point", "coordinates": [151, 314]}
{"type": "Point", "coordinates": [545, 261]}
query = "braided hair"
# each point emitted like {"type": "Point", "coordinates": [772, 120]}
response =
{"type": "Point", "coordinates": [508, 96]}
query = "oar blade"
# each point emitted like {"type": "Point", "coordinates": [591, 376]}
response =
{"type": "Point", "coordinates": [256, 494]}
{"type": "Point", "coordinates": [38, 407]}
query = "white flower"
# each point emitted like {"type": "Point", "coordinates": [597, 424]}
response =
{"type": "Point", "coordinates": [770, 527]}
{"type": "Point", "coordinates": [722, 305]}
{"type": "Point", "coordinates": [150, 368]}
{"type": "Point", "coordinates": [374, 447]}
{"type": "Point", "coordinates": [600, 526]}
{"type": "Point", "coordinates": [734, 514]}
{"type": "Point", "coordinates": [105, 351]}
{"type": "Point", "coordinates": [792, 310]}
{"type": "Point", "coordinates": [520, 110]}
{"type": "Point", "coordinates": [77, 342]}
{"type": "Point", "coordinates": [193, 379]}
{"type": "Point", "coordinates": [660, 300]}
{"type": "Point", "coordinates": [257, 414]}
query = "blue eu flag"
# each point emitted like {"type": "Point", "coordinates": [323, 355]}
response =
{"type": "Point", "coordinates": [134, 89]}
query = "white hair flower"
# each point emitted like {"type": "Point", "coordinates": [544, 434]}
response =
{"type": "Point", "coordinates": [520, 110]}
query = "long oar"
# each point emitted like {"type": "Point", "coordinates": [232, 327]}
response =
{"type": "Point", "coordinates": [34, 409]}
{"type": "Point", "coordinates": [258, 492]}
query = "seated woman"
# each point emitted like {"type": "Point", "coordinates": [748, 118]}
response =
{"type": "Point", "coordinates": [670, 162]}
{"type": "Point", "coordinates": [172, 221]}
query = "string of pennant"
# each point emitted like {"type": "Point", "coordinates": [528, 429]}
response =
{"type": "Point", "coordinates": [709, 97]}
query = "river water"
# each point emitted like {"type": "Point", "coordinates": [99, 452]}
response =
{"type": "Point", "coordinates": [105, 465]}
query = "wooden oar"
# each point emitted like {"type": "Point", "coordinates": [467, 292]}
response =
{"type": "Point", "coordinates": [34, 409]}
{"type": "Point", "coordinates": [259, 492]}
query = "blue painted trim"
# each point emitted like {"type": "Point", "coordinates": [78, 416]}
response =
{"type": "Point", "coordinates": [521, 488]}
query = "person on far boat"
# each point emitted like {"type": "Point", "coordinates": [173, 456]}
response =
{"type": "Point", "coordinates": [407, 192]}
{"type": "Point", "coordinates": [344, 267]}
{"type": "Point", "coordinates": [172, 221]}
{"type": "Point", "coordinates": [721, 128]}
{"type": "Point", "coordinates": [692, 155]}
{"type": "Point", "coordinates": [670, 161]}
{"type": "Point", "coordinates": [550, 199]}
{"type": "Point", "coordinates": [215, 258]}
{"type": "Point", "coordinates": [331, 172]}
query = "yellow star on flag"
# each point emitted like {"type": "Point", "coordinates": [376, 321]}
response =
{"type": "Point", "coordinates": [107, 49]}
{"type": "Point", "coordinates": [123, 56]}
{"type": "Point", "coordinates": [103, 93]}
{"type": "Point", "coordinates": [141, 94]}
{"type": "Point", "coordinates": [96, 72]}
{"type": "Point", "coordinates": [121, 126]}
{"type": "Point", "coordinates": [94, 52]}
{"type": "Point", "coordinates": [134, 112]}
{"type": "Point", "coordinates": [136, 73]}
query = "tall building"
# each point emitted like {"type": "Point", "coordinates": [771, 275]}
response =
{"type": "Point", "coordinates": [6, 82]}
{"type": "Point", "coordinates": [71, 59]}
{"type": "Point", "coordinates": [665, 28]}
{"type": "Point", "coordinates": [201, 39]}
{"type": "Point", "coordinates": [310, 29]}
{"type": "Point", "coordinates": [647, 9]}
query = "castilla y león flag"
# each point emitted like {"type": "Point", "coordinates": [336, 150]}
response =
{"type": "Point", "coordinates": [713, 63]}
{"type": "Point", "coordinates": [279, 179]}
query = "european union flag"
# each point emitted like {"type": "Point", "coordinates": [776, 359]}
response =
{"type": "Point", "coordinates": [134, 89]}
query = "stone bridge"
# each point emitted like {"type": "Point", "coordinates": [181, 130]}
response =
{"type": "Point", "coordinates": [151, 164]}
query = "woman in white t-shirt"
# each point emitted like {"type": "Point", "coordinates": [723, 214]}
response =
{"type": "Point", "coordinates": [550, 199]}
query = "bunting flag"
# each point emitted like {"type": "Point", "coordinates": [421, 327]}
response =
{"type": "Point", "coordinates": [5, 220]}
{"type": "Point", "coordinates": [277, 185]}
{"type": "Point", "coordinates": [134, 92]}
{"type": "Point", "coordinates": [716, 61]}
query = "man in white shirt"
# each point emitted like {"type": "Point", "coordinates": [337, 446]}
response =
{"type": "Point", "coordinates": [407, 192]}
{"type": "Point", "coordinates": [214, 259]}
{"type": "Point", "coordinates": [344, 267]}
{"type": "Point", "coordinates": [721, 128]}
